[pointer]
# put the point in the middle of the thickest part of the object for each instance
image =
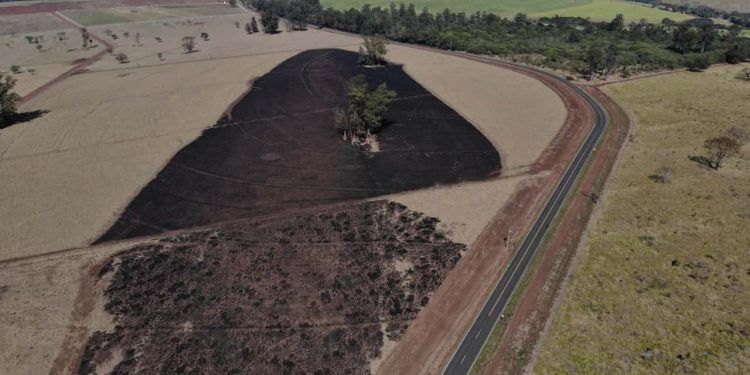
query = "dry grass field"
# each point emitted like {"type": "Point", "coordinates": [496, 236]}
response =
{"type": "Point", "coordinates": [118, 15]}
{"type": "Point", "coordinates": [661, 285]}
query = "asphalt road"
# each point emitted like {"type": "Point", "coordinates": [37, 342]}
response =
{"type": "Point", "coordinates": [471, 345]}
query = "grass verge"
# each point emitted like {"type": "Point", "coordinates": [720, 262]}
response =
{"type": "Point", "coordinates": [661, 285]}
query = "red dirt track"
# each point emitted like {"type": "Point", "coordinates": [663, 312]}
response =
{"type": "Point", "coordinates": [430, 341]}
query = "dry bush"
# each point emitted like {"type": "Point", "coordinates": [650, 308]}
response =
{"type": "Point", "coordinates": [662, 175]}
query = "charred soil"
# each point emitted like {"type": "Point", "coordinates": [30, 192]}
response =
{"type": "Point", "coordinates": [308, 293]}
{"type": "Point", "coordinates": [277, 149]}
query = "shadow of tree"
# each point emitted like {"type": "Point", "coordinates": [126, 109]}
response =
{"type": "Point", "coordinates": [22, 117]}
{"type": "Point", "coordinates": [702, 161]}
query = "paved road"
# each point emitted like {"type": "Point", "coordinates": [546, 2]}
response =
{"type": "Point", "coordinates": [471, 345]}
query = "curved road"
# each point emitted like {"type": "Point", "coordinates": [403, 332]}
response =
{"type": "Point", "coordinates": [471, 345]}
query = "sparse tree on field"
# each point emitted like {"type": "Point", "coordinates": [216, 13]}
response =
{"type": "Point", "coordinates": [8, 99]}
{"type": "Point", "coordinates": [662, 175]}
{"type": "Point", "coordinates": [739, 135]}
{"type": "Point", "coordinates": [372, 51]}
{"type": "Point", "coordinates": [744, 75]}
{"type": "Point", "coordinates": [718, 149]}
{"type": "Point", "coordinates": [254, 25]}
{"type": "Point", "coordinates": [270, 22]}
{"type": "Point", "coordinates": [236, 25]}
{"type": "Point", "coordinates": [188, 44]}
{"type": "Point", "coordinates": [137, 39]}
{"type": "Point", "coordinates": [121, 58]}
{"type": "Point", "coordinates": [363, 113]}
{"type": "Point", "coordinates": [159, 55]}
{"type": "Point", "coordinates": [248, 28]}
{"type": "Point", "coordinates": [15, 69]}
{"type": "Point", "coordinates": [233, 3]}
{"type": "Point", "coordinates": [204, 36]}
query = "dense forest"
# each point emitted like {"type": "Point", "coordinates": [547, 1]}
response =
{"type": "Point", "coordinates": [574, 45]}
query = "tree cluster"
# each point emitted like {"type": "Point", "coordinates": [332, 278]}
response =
{"type": "Point", "coordinates": [571, 44]}
{"type": "Point", "coordinates": [363, 113]}
{"type": "Point", "coordinates": [270, 22]}
{"type": "Point", "coordinates": [372, 51]}
{"type": "Point", "coordinates": [702, 11]}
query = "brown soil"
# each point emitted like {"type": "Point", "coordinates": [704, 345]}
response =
{"type": "Point", "coordinates": [430, 341]}
{"type": "Point", "coordinates": [307, 293]}
{"type": "Point", "coordinates": [531, 315]}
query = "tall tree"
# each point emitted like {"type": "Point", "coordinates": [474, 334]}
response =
{"type": "Point", "coordinates": [270, 22]}
{"type": "Point", "coordinates": [373, 50]}
{"type": "Point", "coordinates": [8, 99]}
{"type": "Point", "coordinates": [595, 59]}
{"type": "Point", "coordinates": [617, 24]}
{"type": "Point", "coordinates": [254, 25]}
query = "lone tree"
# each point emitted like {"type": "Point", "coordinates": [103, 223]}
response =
{"type": "Point", "coordinates": [363, 114]}
{"type": "Point", "coordinates": [744, 75]}
{"type": "Point", "coordinates": [718, 149]}
{"type": "Point", "coordinates": [372, 51]}
{"type": "Point", "coordinates": [270, 22]}
{"type": "Point", "coordinates": [188, 44]}
{"type": "Point", "coordinates": [8, 99]}
{"type": "Point", "coordinates": [122, 58]}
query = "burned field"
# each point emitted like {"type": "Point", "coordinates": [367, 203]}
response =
{"type": "Point", "coordinates": [309, 293]}
{"type": "Point", "coordinates": [277, 149]}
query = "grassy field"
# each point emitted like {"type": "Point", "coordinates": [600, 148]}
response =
{"type": "Point", "coordinates": [728, 5]}
{"type": "Point", "coordinates": [595, 9]}
{"type": "Point", "coordinates": [661, 286]}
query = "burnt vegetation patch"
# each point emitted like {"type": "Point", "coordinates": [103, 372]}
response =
{"type": "Point", "coordinates": [278, 149]}
{"type": "Point", "coordinates": [314, 293]}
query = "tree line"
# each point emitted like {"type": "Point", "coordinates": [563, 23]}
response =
{"type": "Point", "coordinates": [571, 44]}
{"type": "Point", "coordinates": [703, 11]}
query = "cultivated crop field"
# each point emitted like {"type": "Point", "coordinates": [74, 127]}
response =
{"type": "Point", "coordinates": [662, 282]}
{"type": "Point", "coordinates": [594, 9]}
